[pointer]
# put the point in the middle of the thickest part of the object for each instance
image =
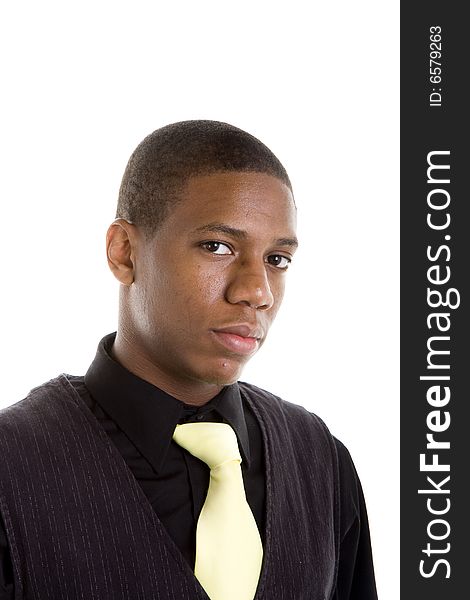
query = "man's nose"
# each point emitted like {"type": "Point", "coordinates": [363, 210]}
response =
{"type": "Point", "coordinates": [250, 286]}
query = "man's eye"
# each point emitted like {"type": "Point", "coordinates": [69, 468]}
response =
{"type": "Point", "coordinates": [277, 260]}
{"type": "Point", "coordinates": [216, 247]}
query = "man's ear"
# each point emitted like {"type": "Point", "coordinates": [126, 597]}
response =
{"type": "Point", "coordinates": [120, 250]}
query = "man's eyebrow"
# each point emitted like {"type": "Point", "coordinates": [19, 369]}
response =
{"type": "Point", "coordinates": [292, 242]}
{"type": "Point", "coordinates": [239, 234]}
{"type": "Point", "coordinates": [222, 228]}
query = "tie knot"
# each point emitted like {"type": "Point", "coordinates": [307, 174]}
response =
{"type": "Point", "coordinates": [213, 443]}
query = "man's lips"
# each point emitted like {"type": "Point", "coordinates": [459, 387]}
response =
{"type": "Point", "coordinates": [240, 339]}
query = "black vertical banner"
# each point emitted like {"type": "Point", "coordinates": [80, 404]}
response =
{"type": "Point", "coordinates": [435, 302]}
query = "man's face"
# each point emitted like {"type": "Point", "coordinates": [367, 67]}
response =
{"type": "Point", "coordinates": [209, 284]}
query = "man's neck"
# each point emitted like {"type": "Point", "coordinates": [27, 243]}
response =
{"type": "Point", "coordinates": [189, 391]}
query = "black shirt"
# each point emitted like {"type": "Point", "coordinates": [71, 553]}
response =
{"type": "Point", "coordinates": [140, 420]}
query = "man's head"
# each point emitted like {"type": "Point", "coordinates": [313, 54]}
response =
{"type": "Point", "coordinates": [204, 235]}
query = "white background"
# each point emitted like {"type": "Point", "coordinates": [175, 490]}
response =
{"type": "Point", "coordinates": [84, 82]}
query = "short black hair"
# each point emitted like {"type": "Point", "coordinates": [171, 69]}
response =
{"type": "Point", "coordinates": [162, 163]}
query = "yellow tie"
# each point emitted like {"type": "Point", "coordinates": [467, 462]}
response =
{"type": "Point", "coordinates": [229, 552]}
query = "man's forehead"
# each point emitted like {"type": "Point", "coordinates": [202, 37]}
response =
{"type": "Point", "coordinates": [217, 192]}
{"type": "Point", "coordinates": [235, 203]}
{"type": "Point", "coordinates": [226, 180]}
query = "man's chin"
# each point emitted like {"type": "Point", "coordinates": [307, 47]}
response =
{"type": "Point", "coordinates": [226, 372]}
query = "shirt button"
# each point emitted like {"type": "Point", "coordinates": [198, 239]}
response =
{"type": "Point", "coordinates": [199, 417]}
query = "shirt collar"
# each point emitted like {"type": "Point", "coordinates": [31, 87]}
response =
{"type": "Point", "coordinates": [147, 414]}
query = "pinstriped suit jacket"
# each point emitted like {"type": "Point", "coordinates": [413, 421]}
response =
{"type": "Point", "coordinates": [80, 527]}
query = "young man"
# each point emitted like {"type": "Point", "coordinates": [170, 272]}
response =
{"type": "Point", "coordinates": [126, 483]}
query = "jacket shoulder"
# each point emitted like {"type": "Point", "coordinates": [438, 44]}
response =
{"type": "Point", "coordinates": [23, 411]}
{"type": "Point", "coordinates": [288, 410]}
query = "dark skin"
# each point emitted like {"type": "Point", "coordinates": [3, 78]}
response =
{"type": "Point", "coordinates": [198, 298]}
